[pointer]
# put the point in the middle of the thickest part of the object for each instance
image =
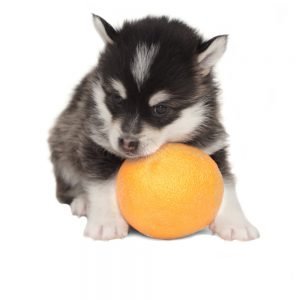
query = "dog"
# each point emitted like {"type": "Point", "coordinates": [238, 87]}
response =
{"type": "Point", "coordinates": [153, 84]}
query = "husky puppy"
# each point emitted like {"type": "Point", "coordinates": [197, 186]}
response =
{"type": "Point", "coordinates": [153, 85]}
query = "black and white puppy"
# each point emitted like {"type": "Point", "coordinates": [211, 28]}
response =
{"type": "Point", "coordinates": [153, 85]}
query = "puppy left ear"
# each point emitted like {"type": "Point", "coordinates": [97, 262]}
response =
{"type": "Point", "coordinates": [210, 52]}
{"type": "Point", "coordinates": [106, 31]}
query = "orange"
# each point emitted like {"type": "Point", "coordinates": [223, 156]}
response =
{"type": "Point", "coordinates": [173, 193]}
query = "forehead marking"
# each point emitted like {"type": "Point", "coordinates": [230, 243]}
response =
{"type": "Point", "coordinates": [143, 59]}
{"type": "Point", "coordinates": [119, 87]}
{"type": "Point", "coordinates": [158, 97]}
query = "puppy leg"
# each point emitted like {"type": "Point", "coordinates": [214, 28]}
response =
{"type": "Point", "coordinates": [105, 221]}
{"type": "Point", "coordinates": [68, 183]}
{"type": "Point", "coordinates": [231, 223]}
{"type": "Point", "coordinates": [71, 193]}
{"type": "Point", "coordinates": [65, 192]}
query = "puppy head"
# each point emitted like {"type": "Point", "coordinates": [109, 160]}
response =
{"type": "Point", "coordinates": [155, 83]}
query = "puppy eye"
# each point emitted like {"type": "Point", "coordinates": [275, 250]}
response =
{"type": "Point", "coordinates": [116, 99]}
{"type": "Point", "coordinates": [160, 110]}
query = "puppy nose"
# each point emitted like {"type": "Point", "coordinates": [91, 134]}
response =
{"type": "Point", "coordinates": [128, 144]}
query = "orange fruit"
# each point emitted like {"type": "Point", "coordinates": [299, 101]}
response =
{"type": "Point", "coordinates": [175, 192]}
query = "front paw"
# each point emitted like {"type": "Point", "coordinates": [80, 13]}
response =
{"type": "Point", "coordinates": [106, 229]}
{"type": "Point", "coordinates": [234, 228]}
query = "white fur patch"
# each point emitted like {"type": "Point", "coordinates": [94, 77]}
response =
{"type": "Point", "coordinates": [114, 133]}
{"type": "Point", "coordinates": [105, 221]}
{"type": "Point", "coordinates": [104, 114]}
{"type": "Point", "coordinates": [159, 97]}
{"type": "Point", "coordinates": [216, 146]}
{"type": "Point", "coordinates": [79, 206]}
{"type": "Point", "coordinates": [143, 59]}
{"type": "Point", "coordinates": [231, 223]}
{"type": "Point", "coordinates": [182, 129]}
{"type": "Point", "coordinates": [112, 128]}
{"type": "Point", "coordinates": [68, 173]}
{"type": "Point", "coordinates": [99, 97]}
{"type": "Point", "coordinates": [101, 30]}
{"type": "Point", "coordinates": [119, 87]}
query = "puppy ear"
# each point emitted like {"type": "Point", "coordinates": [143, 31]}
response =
{"type": "Point", "coordinates": [210, 52]}
{"type": "Point", "coordinates": [106, 31]}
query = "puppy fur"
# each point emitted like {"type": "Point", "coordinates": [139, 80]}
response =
{"type": "Point", "coordinates": [153, 84]}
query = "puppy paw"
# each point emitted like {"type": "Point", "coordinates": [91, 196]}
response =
{"type": "Point", "coordinates": [234, 229]}
{"type": "Point", "coordinates": [79, 206]}
{"type": "Point", "coordinates": [112, 228]}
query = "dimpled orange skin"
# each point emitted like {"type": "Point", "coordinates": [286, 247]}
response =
{"type": "Point", "coordinates": [171, 194]}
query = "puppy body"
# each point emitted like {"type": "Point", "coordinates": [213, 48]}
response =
{"type": "Point", "coordinates": [153, 84]}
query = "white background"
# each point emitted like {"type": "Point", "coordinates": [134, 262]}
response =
{"type": "Point", "coordinates": [46, 47]}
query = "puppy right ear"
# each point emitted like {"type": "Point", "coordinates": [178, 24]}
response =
{"type": "Point", "coordinates": [210, 52]}
{"type": "Point", "coordinates": [106, 31]}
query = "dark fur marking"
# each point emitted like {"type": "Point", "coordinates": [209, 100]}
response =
{"type": "Point", "coordinates": [98, 163]}
{"type": "Point", "coordinates": [220, 157]}
{"type": "Point", "coordinates": [64, 191]}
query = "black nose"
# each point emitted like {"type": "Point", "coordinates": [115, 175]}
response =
{"type": "Point", "coordinates": [128, 144]}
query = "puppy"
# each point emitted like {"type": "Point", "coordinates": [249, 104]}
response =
{"type": "Point", "coordinates": [153, 85]}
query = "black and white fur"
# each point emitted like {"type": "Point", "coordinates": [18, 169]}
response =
{"type": "Point", "coordinates": [153, 85]}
